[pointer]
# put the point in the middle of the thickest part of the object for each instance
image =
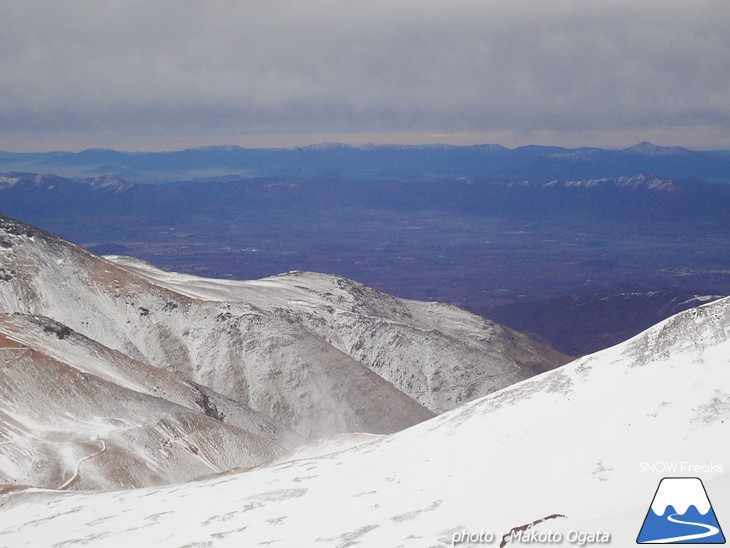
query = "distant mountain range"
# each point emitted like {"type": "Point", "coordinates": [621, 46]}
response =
{"type": "Point", "coordinates": [398, 231]}
{"type": "Point", "coordinates": [534, 163]}
{"type": "Point", "coordinates": [640, 197]}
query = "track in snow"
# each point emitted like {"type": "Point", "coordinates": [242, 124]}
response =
{"type": "Point", "coordinates": [73, 479]}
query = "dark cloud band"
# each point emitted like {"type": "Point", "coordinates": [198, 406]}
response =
{"type": "Point", "coordinates": [372, 67]}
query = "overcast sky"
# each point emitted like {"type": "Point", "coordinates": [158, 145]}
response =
{"type": "Point", "coordinates": [160, 75]}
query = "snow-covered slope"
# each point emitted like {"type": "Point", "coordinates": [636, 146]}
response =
{"type": "Point", "coordinates": [568, 448]}
{"type": "Point", "coordinates": [439, 354]}
{"type": "Point", "coordinates": [65, 399]}
{"type": "Point", "coordinates": [262, 361]}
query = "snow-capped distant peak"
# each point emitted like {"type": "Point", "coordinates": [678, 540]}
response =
{"type": "Point", "coordinates": [650, 149]}
{"type": "Point", "coordinates": [680, 493]}
{"type": "Point", "coordinates": [328, 146]}
{"type": "Point", "coordinates": [29, 180]}
{"type": "Point", "coordinates": [108, 182]}
{"type": "Point", "coordinates": [7, 181]}
{"type": "Point", "coordinates": [641, 181]}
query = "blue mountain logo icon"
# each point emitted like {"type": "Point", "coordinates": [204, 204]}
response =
{"type": "Point", "coordinates": [680, 513]}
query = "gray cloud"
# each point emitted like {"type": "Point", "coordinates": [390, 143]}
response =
{"type": "Point", "coordinates": [334, 66]}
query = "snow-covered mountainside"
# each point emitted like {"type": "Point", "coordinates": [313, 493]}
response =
{"type": "Point", "coordinates": [438, 354]}
{"type": "Point", "coordinates": [65, 399]}
{"type": "Point", "coordinates": [642, 181]}
{"type": "Point", "coordinates": [318, 353]}
{"type": "Point", "coordinates": [34, 181]}
{"type": "Point", "coordinates": [574, 451]}
{"type": "Point", "coordinates": [257, 359]}
{"type": "Point", "coordinates": [30, 180]}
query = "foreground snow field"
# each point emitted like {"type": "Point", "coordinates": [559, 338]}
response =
{"type": "Point", "coordinates": [582, 447]}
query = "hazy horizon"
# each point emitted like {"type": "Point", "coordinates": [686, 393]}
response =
{"type": "Point", "coordinates": [175, 145]}
{"type": "Point", "coordinates": [171, 75]}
